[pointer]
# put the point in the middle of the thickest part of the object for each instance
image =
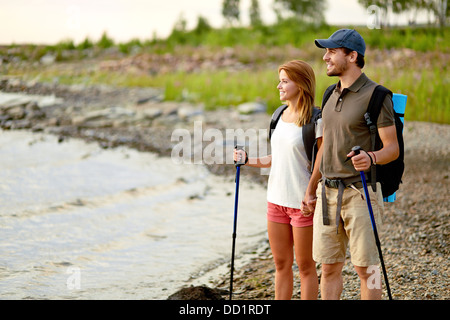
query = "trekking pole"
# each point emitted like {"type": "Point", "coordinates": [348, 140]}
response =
{"type": "Point", "coordinates": [357, 150]}
{"type": "Point", "coordinates": [238, 169]}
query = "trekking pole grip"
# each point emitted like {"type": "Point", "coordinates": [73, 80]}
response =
{"type": "Point", "coordinates": [240, 162]}
{"type": "Point", "coordinates": [356, 150]}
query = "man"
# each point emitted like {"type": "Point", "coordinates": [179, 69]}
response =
{"type": "Point", "coordinates": [342, 216]}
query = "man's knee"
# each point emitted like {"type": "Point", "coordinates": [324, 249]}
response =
{"type": "Point", "coordinates": [370, 274]}
{"type": "Point", "coordinates": [332, 270]}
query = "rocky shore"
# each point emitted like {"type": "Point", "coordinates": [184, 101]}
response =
{"type": "Point", "coordinates": [415, 233]}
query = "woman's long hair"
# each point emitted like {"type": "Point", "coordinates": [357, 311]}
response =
{"type": "Point", "coordinates": [303, 75]}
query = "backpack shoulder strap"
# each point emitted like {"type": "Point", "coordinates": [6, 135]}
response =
{"type": "Point", "coordinates": [373, 110]}
{"type": "Point", "coordinates": [309, 133]}
{"type": "Point", "coordinates": [376, 102]}
{"type": "Point", "coordinates": [275, 117]}
{"type": "Point", "coordinates": [371, 117]}
{"type": "Point", "coordinates": [327, 94]}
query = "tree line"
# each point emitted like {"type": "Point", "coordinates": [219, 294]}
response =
{"type": "Point", "coordinates": [436, 10]}
{"type": "Point", "coordinates": [313, 10]}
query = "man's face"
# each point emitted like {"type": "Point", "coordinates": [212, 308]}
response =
{"type": "Point", "coordinates": [337, 62]}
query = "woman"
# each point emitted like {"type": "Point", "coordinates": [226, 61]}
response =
{"type": "Point", "coordinates": [289, 218]}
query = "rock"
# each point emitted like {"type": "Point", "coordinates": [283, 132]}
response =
{"type": "Point", "coordinates": [251, 107]}
{"type": "Point", "coordinates": [152, 113]}
{"type": "Point", "coordinates": [53, 121]}
{"type": "Point", "coordinates": [48, 59]}
{"type": "Point", "coordinates": [76, 121]}
{"type": "Point", "coordinates": [102, 118]}
{"type": "Point", "coordinates": [33, 111]}
{"type": "Point", "coordinates": [8, 100]}
{"type": "Point", "coordinates": [17, 112]}
{"type": "Point", "coordinates": [185, 112]}
{"type": "Point", "coordinates": [21, 124]}
{"type": "Point", "coordinates": [427, 295]}
{"type": "Point", "coordinates": [32, 106]}
{"type": "Point", "coordinates": [198, 293]}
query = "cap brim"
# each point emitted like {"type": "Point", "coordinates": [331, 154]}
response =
{"type": "Point", "coordinates": [326, 43]}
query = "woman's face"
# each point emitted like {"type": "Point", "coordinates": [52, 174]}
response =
{"type": "Point", "coordinates": [289, 91]}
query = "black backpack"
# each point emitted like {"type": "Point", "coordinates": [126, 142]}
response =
{"type": "Point", "coordinates": [308, 131]}
{"type": "Point", "coordinates": [389, 175]}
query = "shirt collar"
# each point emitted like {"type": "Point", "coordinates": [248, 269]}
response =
{"type": "Point", "coordinates": [362, 79]}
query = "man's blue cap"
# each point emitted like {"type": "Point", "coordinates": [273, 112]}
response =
{"type": "Point", "coordinates": [344, 38]}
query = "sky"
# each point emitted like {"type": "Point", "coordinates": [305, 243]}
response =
{"type": "Point", "coordinates": [51, 21]}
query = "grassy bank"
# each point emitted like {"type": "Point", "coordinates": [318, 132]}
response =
{"type": "Point", "coordinates": [412, 61]}
{"type": "Point", "coordinates": [428, 98]}
{"type": "Point", "coordinates": [425, 82]}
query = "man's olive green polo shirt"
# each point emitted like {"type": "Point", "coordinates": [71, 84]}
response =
{"type": "Point", "coordinates": [344, 126]}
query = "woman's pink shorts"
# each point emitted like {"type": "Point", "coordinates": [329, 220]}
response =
{"type": "Point", "coordinates": [292, 216]}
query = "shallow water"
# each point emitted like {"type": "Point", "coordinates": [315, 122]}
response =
{"type": "Point", "coordinates": [81, 222]}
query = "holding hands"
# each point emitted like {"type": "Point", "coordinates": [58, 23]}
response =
{"type": "Point", "coordinates": [308, 206]}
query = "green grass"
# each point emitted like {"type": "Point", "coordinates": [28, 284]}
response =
{"type": "Point", "coordinates": [428, 99]}
{"type": "Point", "coordinates": [418, 67]}
{"type": "Point", "coordinates": [426, 88]}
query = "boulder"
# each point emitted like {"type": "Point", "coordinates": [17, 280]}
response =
{"type": "Point", "coordinates": [198, 293]}
{"type": "Point", "coordinates": [251, 107]}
